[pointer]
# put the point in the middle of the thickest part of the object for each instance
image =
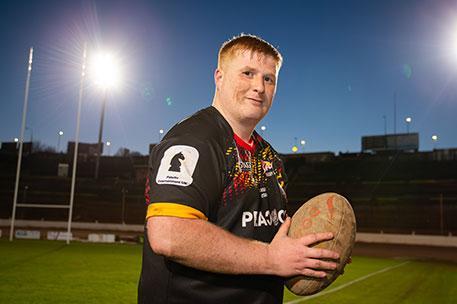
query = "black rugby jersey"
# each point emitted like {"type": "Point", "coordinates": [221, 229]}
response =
{"type": "Point", "coordinates": [201, 169]}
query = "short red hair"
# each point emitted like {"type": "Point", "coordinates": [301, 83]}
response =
{"type": "Point", "coordinates": [246, 42]}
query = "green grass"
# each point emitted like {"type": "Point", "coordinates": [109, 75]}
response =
{"type": "Point", "coordinates": [52, 272]}
{"type": "Point", "coordinates": [413, 282]}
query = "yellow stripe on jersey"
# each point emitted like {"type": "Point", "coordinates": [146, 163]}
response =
{"type": "Point", "coordinates": [174, 209]}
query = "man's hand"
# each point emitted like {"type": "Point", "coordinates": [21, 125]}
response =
{"type": "Point", "coordinates": [290, 257]}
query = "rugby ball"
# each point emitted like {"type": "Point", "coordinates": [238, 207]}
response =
{"type": "Point", "coordinates": [328, 212]}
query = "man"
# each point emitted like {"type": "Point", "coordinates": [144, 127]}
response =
{"type": "Point", "coordinates": [217, 199]}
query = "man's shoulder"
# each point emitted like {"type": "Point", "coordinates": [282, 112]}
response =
{"type": "Point", "coordinates": [205, 125]}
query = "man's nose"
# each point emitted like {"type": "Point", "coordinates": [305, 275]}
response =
{"type": "Point", "coordinates": [258, 84]}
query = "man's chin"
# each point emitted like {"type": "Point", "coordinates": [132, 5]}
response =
{"type": "Point", "coordinates": [254, 118]}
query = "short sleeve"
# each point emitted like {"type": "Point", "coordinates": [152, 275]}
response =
{"type": "Point", "coordinates": [186, 178]}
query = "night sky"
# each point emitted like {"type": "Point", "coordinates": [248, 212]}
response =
{"type": "Point", "coordinates": [345, 64]}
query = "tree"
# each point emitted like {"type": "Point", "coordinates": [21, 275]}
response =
{"type": "Point", "coordinates": [38, 146]}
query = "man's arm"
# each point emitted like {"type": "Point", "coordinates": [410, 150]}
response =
{"type": "Point", "coordinates": [203, 245]}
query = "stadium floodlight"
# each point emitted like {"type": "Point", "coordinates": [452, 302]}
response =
{"type": "Point", "coordinates": [294, 149]}
{"type": "Point", "coordinates": [303, 143]}
{"type": "Point", "coordinates": [60, 133]}
{"type": "Point", "coordinates": [105, 70]}
{"type": "Point", "coordinates": [435, 140]}
{"type": "Point", "coordinates": [16, 139]}
{"type": "Point", "coordinates": [108, 147]}
{"type": "Point", "coordinates": [408, 121]}
{"type": "Point", "coordinates": [262, 130]}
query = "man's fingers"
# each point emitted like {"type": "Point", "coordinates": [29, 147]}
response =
{"type": "Point", "coordinates": [312, 273]}
{"type": "Point", "coordinates": [313, 238]}
{"type": "Point", "coordinates": [319, 264]}
{"type": "Point", "coordinates": [319, 253]}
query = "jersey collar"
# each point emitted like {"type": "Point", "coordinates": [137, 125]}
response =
{"type": "Point", "coordinates": [250, 146]}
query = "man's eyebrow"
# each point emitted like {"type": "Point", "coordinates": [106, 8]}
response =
{"type": "Point", "coordinates": [247, 67]}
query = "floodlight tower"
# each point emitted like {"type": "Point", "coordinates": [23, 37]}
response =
{"type": "Point", "coordinates": [263, 128]}
{"type": "Point", "coordinates": [435, 140]}
{"type": "Point", "coordinates": [60, 133]}
{"type": "Point", "coordinates": [108, 145]}
{"type": "Point", "coordinates": [303, 143]}
{"type": "Point", "coordinates": [408, 121]}
{"type": "Point", "coordinates": [106, 76]}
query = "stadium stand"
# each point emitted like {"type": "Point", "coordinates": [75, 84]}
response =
{"type": "Point", "coordinates": [391, 192]}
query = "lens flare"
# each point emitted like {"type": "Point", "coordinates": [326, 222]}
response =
{"type": "Point", "coordinates": [407, 71]}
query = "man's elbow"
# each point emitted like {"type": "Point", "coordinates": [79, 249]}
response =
{"type": "Point", "coordinates": [159, 241]}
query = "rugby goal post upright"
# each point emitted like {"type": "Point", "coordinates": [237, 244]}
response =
{"type": "Point", "coordinates": [75, 159]}
{"type": "Point", "coordinates": [75, 153]}
{"type": "Point", "coordinates": [21, 142]}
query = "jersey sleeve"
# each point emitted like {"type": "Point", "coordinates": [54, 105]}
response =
{"type": "Point", "coordinates": [186, 177]}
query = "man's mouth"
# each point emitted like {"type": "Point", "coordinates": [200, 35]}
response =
{"type": "Point", "coordinates": [255, 99]}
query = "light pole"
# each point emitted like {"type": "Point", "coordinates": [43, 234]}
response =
{"type": "Point", "coordinates": [58, 140]}
{"type": "Point", "coordinates": [108, 146]}
{"type": "Point", "coordinates": [303, 143]}
{"type": "Point", "coordinates": [160, 134]}
{"type": "Point", "coordinates": [408, 121]}
{"type": "Point", "coordinates": [100, 134]}
{"type": "Point", "coordinates": [263, 128]}
{"type": "Point", "coordinates": [435, 140]}
{"type": "Point", "coordinates": [106, 75]}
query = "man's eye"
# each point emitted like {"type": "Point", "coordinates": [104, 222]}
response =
{"type": "Point", "coordinates": [269, 79]}
{"type": "Point", "coordinates": [248, 73]}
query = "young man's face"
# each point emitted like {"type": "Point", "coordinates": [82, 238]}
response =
{"type": "Point", "coordinates": [247, 85]}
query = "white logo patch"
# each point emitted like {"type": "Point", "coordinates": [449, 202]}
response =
{"type": "Point", "coordinates": [177, 166]}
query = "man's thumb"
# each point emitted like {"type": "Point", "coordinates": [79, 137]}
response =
{"type": "Point", "coordinates": [284, 227]}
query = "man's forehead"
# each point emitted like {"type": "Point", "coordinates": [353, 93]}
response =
{"type": "Point", "coordinates": [248, 56]}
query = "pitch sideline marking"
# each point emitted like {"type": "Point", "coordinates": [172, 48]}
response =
{"type": "Point", "coordinates": [347, 284]}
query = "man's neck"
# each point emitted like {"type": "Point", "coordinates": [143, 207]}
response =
{"type": "Point", "coordinates": [243, 130]}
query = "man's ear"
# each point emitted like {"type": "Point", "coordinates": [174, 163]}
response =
{"type": "Point", "coordinates": [218, 76]}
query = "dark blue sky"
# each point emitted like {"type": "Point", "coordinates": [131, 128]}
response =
{"type": "Point", "coordinates": [344, 61]}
